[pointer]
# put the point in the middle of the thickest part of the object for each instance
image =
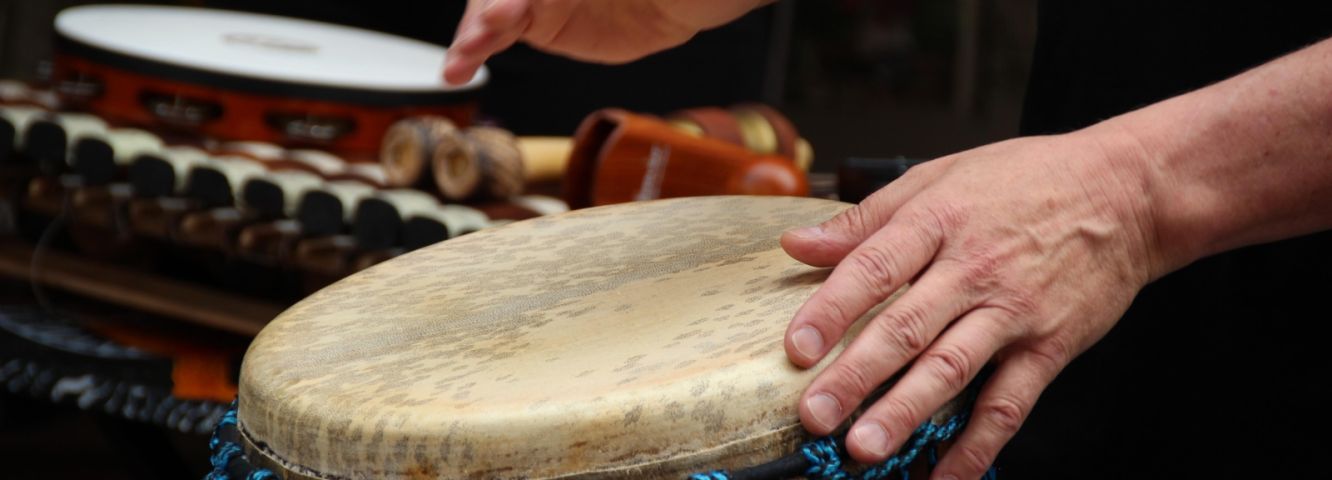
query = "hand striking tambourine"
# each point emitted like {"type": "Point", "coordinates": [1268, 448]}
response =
{"type": "Point", "coordinates": [244, 76]}
{"type": "Point", "coordinates": [632, 341]}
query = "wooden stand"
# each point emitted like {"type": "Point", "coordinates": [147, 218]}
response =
{"type": "Point", "coordinates": [139, 290]}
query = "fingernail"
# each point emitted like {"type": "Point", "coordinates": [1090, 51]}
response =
{"type": "Point", "coordinates": [808, 233]}
{"type": "Point", "coordinates": [808, 341]}
{"type": "Point", "coordinates": [825, 410]}
{"type": "Point", "coordinates": [872, 438]}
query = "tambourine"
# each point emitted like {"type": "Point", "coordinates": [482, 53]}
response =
{"type": "Point", "coordinates": [245, 76]}
{"type": "Point", "coordinates": [636, 341]}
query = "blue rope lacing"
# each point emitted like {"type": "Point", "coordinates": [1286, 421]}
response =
{"type": "Point", "coordinates": [225, 451]}
{"type": "Point", "coordinates": [713, 475]}
{"type": "Point", "coordinates": [826, 459]}
{"type": "Point", "coordinates": [823, 455]}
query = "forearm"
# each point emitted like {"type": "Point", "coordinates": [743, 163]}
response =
{"type": "Point", "coordinates": [1244, 161]}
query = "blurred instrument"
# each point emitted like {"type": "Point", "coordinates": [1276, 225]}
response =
{"type": "Point", "coordinates": [620, 156]}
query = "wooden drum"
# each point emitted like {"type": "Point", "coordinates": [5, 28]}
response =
{"type": "Point", "coordinates": [632, 341]}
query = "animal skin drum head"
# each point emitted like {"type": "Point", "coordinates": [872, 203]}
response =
{"type": "Point", "coordinates": [262, 47]}
{"type": "Point", "coordinates": [638, 340]}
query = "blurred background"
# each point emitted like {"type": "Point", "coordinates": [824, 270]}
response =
{"type": "Point", "coordinates": [868, 78]}
{"type": "Point", "coordinates": [858, 78]}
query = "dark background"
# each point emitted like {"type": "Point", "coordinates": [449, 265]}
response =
{"type": "Point", "coordinates": [1217, 371]}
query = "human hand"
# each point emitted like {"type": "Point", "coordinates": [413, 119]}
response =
{"type": "Point", "coordinates": [1024, 252]}
{"type": "Point", "coordinates": [606, 31]}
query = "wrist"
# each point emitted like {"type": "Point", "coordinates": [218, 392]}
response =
{"type": "Point", "coordinates": [1132, 161]}
{"type": "Point", "coordinates": [1168, 149]}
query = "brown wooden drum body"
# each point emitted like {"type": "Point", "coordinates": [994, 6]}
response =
{"type": "Point", "coordinates": [631, 341]}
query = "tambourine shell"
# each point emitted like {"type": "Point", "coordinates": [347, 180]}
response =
{"type": "Point", "coordinates": [260, 77]}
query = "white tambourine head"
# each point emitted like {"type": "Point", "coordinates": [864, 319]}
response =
{"type": "Point", "coordinates": [264, 47]}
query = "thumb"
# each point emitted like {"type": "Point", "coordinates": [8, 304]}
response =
{"type": "Point", "coordinates": [826, 244]}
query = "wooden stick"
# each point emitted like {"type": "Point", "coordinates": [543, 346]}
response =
{"type": "Point", "coordinates": [545, 158]}
{"type": "Point", "coordinates": [139, 290]}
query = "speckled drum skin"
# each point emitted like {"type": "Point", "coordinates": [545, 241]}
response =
{"type": "Point", "coordinates": [639, 340]}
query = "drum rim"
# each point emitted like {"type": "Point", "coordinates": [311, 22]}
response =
{"type": "Point", "coordinates": [258, 452]}
{"type": "Point", "coordinates": [66, 44]}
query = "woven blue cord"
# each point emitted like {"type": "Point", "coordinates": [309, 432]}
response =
{"type": "Point", "coordinates": [713, 475]}
{"type": "Point", "coordinates": [826, 461]}
{"type": "Point", "coordinates": [224, 452]}
{"type": "Point", "coordinates": [223, 455]}
{"type": "Point", "coordinates": [261, 474]}
{"type": "Point", "coordinates": [228, 418]}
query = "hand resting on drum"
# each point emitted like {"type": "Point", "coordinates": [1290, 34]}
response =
{"type": "Point", "coordinates": [1026, 252]}
{"type": "Point", "coordinates": [607, 31]}
{"type": "Point", "coordinates": [1022, 253]}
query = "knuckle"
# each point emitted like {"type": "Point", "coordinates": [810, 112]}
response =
{"type": "Point", "coordinates": [944, 217]}
{"type": "Point", "coordinates": [1050, 355]}
{"type": "Point", "coordinates": [852, 220]}
{"type": "Point", "coordinates": [852, 379]}
{"type": "Point", "coordinates": [904, 326]}
{"type": "Point", "coordinates": [901, 415]}
{"type": "Point", "coordinates": [1017, 303]}
{"type": "Point", "coordinates": [1004, 414]}
{"type": "Point", "coordinates": [973, 458]}
{"type": "Point", "coordinates": [951, 364]}
{"type": "Point", "coordinates": [917, 170]}
{"type": "Point", "coordinates": [835, 310]}
{"type": "Point", "coordinates": [491, 18]}
{"type": "Point", "coordinates": [875, 268]}
{"type": "Point", "coordinates": [980, 269]}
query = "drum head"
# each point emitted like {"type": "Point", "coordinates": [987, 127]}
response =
{"type": "Point", "coordinates": [638, 340]}
{"type": "Point", "coordinates": [259, 47]}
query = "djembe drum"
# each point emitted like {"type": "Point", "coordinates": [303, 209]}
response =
{"type": "Point", "coordinates": [631, 341]}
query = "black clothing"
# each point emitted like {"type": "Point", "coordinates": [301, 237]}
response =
{"type": "Point", "coordinates": [1218, 369]}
